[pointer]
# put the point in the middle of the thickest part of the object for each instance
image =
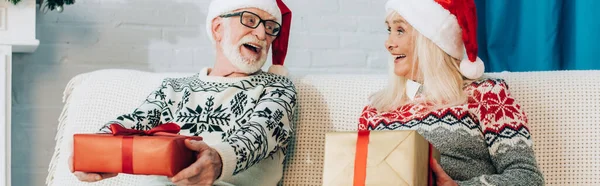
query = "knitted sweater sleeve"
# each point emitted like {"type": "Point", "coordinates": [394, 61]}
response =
{"type": "Point", "coordinates": [266, 132]}
{"type": "Point", "coordinates": [503, 125]}
{"type": "Point", "coordinates": [155, 110]}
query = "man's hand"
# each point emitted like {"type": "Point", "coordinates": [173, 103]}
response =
{"type": "Point", "coordinates": [441, 178]}
{"type": "Point", "coordinates": [89, 177]}
{"type": "Point", "coordinates": [205, 170]}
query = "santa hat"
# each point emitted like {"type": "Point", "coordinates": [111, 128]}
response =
{"type": "Point", "coordinates": [450, 24]}
{"type": "Point", "coordinates": [276, 8]}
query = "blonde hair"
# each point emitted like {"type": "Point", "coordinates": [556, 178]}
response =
{"type": "Point", "coordinates": [438, 72]}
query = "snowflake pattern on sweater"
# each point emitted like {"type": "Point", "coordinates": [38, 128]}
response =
{"type": "Point", "coordinates": [251, 115]}
{"type": "Point", "coordinates": [485, 141]}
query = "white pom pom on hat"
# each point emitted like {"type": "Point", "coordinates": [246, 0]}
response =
{"type": "Point", "coordinates": [472, 70]}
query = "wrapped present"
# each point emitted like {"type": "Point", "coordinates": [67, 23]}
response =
{"type": "Point", "coordinates": [378, 158]}
{"type": "Point", "coordinates": [159, 151]}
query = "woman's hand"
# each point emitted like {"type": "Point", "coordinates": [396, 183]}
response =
{"type": "Point", "coordinates": [441, 178]}
{"type": "Point", "coordinates": [205, 170]}
{"type": "Point", "coordinates": [89, 177]}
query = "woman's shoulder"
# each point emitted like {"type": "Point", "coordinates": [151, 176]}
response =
{"type": "Point", "coordinates": [488, 82]}
{"type": "Point", "coordinates": [486, 85]}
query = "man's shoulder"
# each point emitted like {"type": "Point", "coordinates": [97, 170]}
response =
{"type": "Point", "coordinates": [180, 81]}
{"type": "Point", "coordinates": [270, 79]}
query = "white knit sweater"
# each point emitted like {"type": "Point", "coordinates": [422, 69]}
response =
{"type": "Point", "coordinates": [246, 119]}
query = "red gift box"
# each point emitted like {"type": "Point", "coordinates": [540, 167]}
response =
{"type": "Point", "coordinates": [159, 151]}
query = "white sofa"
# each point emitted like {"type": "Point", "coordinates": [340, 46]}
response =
{"type": "Point", "coordinates": [563, 109]}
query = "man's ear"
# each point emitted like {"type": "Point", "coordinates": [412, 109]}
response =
{"type": "Point", "coordinates": [217, 29]}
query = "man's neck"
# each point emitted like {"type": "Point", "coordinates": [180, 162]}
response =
{"type": "Point", "coordinates": [224, 68]}
{"type": "Point", "coordinates": [224, 73]}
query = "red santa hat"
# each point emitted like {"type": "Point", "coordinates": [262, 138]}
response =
{"type": "Point", "coordinates": [276, 8]}
{"type": "Point", "coordinates": [450, 24]}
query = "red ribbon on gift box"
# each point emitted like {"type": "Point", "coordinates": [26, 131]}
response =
{"type": "Point", "coordinates": [360, 160]}
{"type": "Point", "coordinates": [167, 129]}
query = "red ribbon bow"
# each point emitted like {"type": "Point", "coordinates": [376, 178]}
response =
{"type": "Point", "coordinates": [165, 129]}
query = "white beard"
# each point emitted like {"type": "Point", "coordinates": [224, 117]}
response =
{"type": "Point", "coordinates": [232, 52]}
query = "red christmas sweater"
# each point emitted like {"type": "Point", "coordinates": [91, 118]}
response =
{"type": "Point", "coordinates": [483, 142]}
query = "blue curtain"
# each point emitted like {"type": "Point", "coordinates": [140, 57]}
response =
{"type": "Point", "coordinates": [536, 35]}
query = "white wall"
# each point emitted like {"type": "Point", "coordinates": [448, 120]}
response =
{"type": "Point", "coordinates": [342, 36]}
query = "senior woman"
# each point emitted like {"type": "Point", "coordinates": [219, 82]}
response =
{"type": "Point", "coordinates": [479, 128]}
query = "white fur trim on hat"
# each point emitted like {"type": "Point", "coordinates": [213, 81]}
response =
{"type": "Point", "coordinates": [433, 21]}
{"type": "Point", "coordinates": [278, 69]}
{"type": "Point", "coordinates": [219, 7]}
{"type": "Point", "coordinates": [472, 70]}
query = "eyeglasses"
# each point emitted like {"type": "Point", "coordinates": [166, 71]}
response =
{"type": "Point", "coordinates": [252, 20]}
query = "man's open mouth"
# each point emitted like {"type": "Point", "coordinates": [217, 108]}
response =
{"type": "Point", "coordinates": [252, 47]}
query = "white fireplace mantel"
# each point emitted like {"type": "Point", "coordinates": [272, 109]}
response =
{"type": "Point", "coordinates": [17, 25]}
{"type": "Point", "coordinates": [17, 35]}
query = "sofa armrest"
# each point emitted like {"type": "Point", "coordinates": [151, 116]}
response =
{"type": "Point", "coordinates": [74, 82]}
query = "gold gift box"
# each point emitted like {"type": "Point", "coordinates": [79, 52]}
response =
{"type": "Point", "coordinates": [394, 158]}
